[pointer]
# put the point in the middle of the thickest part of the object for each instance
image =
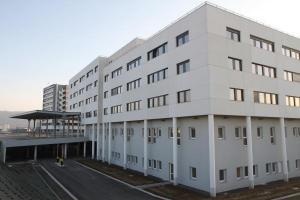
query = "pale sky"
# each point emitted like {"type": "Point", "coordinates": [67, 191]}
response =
{"type": "Point", "coordinates": [49, 41]}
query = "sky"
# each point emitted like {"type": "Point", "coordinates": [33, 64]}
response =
{"type": "Point", "coordinates": [49, 41]}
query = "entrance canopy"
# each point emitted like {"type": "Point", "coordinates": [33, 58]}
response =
{"type": "Point", "coordinates": [44, 114]}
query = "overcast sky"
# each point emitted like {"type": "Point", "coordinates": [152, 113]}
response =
{"type": "Point", "coordinates": [49, 41]}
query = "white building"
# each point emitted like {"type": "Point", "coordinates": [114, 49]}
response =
{"type": "Point", "coordinates": [227, 85]}
{"type": "Point", "coordinates": [54, 98]}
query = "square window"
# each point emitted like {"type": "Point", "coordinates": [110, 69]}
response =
{"type": "Point", "coordinates": [221, 133]}
{"type": "Point", "coordinates": [222, 175]}
{"type": "Point", "coordinates": [193, 172]}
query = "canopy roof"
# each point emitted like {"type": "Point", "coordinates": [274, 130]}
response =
{"type": "Point", "coordinates": [44, 114]}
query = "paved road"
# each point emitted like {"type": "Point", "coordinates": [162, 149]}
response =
{"type": "Point", "coordinates": [86, 184]}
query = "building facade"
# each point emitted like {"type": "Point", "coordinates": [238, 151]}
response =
{"type": "Point", "coordinates": [211, 102]}
{"type": "Point", "coordinates": [54, 98]}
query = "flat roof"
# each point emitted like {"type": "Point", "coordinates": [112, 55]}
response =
{"type": "Point", "coordinates": [45, 114]}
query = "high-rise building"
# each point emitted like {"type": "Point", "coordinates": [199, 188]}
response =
{"type": "Point", "coordinates": [54, 98]}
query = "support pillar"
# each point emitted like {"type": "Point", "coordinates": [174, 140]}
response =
{"type": "Point", "coordinates": [4, 154]}
{"type": "Point", "coordinates": [103, 142]}
{"type": "Point", "coordinates": [250, 152]}
{"type": "Point", "coordinates": [283, 150]}
{"type": "Point", "coordinates": [34, 126]}
{"type": "Point", "coordinates": [93, 141]}
{"type": "Point", "coordinates": [28, 127]}
{"type": "Point", "coordinates": [212, 156]}
{"type": "Point", "coordinates": [55, 122]}
{"type": "Point", "coordinates": [145, 148]}
{"type": "Point", "coordinates": [109, 142]}
{"type": "Point", "coordinates": [35, 153]}
{"type": "Point", "coordinates": [84, 149]}
{"type": "Point", "coordinates": [65, 151]}
{"type": "Point", "coordinates": [175, 151]}
{"type": "Point", "coordinates": [47, 126]}
{"type": "Point", "coordinates": [125, 145]}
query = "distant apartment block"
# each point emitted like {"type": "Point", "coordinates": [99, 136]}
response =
{"type": "Point", "coordinates": [54, 98]}
{"type": "Point", "coordinates": [211, 102]}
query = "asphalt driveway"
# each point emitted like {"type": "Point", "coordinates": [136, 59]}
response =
{"type": "Point", "coordinates": [86, 184]}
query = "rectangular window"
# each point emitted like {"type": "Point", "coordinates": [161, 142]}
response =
{"type": "Point", "coordinates": [297, 162]}
{"type": "Point", "coordinates": [272, 135]}
{"type": "Point", "coordinates": [116, 109]}
{"type": "Point", "coordinates": [105, 111]}
{"type": "Point", "coordinates": [192, 133]}
{"type": "Point", "coordinates": [235, 64]}
{"type": "Point", "coordinates": [262, 43]}
{"type": "Point", "coordinates": [135, 105]}
{"type": "Point", "coordinates": [157, 101]}
{"type": "Point", "coordinates": [162, 49]}
{"type": "Point", "coordinates": [255, 170]}
{"type": "Point", "coordinates": [259, 132]}
{"type": "Point", "coordinates": [293, 53]}
{"type": "Point", "coordinates": [184, 96]}
{"type": "Point", "coordinates": [236, 94]}
{"type": "Point", "coordinates": [106, 78]}
{"type": "Point", "coordinates": [105, 95]}
{"type": "Point", "coordinates": [221, 133]}
{"type": "Point", "coordinates": [274, 167]}
{"type": "Point", "coordinates": [183, 67]}
{"type": "Point", "coordinates": [182, 38]}
{"type": "Point", "coordinates": [96, 69]}
{"type": "Point", "coordinates": [263, 70]}
{"type": "Point", "coordinates": [89, 86]}
{"type": "Point", "coordinates": [116, 90]}
{"type": "Point", "coordinates": [265, 98]}
{"type": "Point", "coordinates": [238, 132]}
{"type": "Point", "coordinates": [222, 175]}
{"type": "Point", "coordinates": [89, 73]}
{"type": "Point", "coordinates": [239, 172]}
{"type": "Point", "coordinates": [193, 172]}
{"type": "Point", "coordinates": [245, 140]}
{"type": "Point", "coordinates": [233, 34]}
{"type": "Point", "coordinates": [134, 63]}
{"type": "Point", "coordinates": [268, 168]}
{"type": "Point", "coordinates": [246, 172]}
{"type": "Point", "coordinates": [81, 78]}
{"type": "Point", "coordinates": [116, 72]}
{"type": "Point", "coordinates": [157, 76]}
{"type": "Point", "coordinates": [292, 101]}
{"type": "Point", "coordinates": [134, 84]}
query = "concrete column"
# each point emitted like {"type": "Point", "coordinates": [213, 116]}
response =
{"type": "Point", "coordinates": [103, 142]}
{"type": "Point", "coordinates": [34, 127]}
{"type": "Point", "coordinates": [55, 121]}
{"type": "Point", "coordinates": [84, 149]}
{"type": "Point", "coordinates": [62, 151]}
{"type": "Point", "coordinates": [64, 127]}
{"type": "Point", "coordinates": [78, 128]}
{"type": "Point", "coordinates": [72, 125]}
{"type": "Point", "coordinates": [175, 151]}
{"type": "Point", "coordinates": [145, 147]}
{"type": "Point", "coordinates": [93, 141]}
{"type": "Point", "coordinates": [68, 121]}
{"type": "Point", "coordinates": [35, 153]}
{"type": "Point", "coordinates": [125, 145]}
{"type": "Point", "coordinates": [85, 131]}
{"type": "Point", "coordinates": [28, 127]}
{"type": "Point", "coordinates": [109, 142]}
{"type": "Point", "coordinates": [212, 156]}
{"type": "Point", "coordinates": [4, 154]}
{"type": "Point", "coordinates": [250, 152]}
{"type": "Point", "coordinates": [98, 142]}
{"type": "Point", "coordinates": [283, 149]}
{"type": "Point", "coordinates": [65, 151]}
{"type": "Point", "coordinates": [47, 126]}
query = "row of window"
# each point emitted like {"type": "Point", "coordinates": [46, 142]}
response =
{"type": "Point", "coordinates": [87, 88]}
{"type": "Point", "coordinates": [157, 51]}
{"type": "Point", "coordinates": [88, 74]}
{"type": "Point", "coordinates": [87, 101]}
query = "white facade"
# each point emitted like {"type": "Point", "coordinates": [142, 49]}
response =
{"type": "Point", "coordinates": [54, 98]}
{"type": "Point", "coordinates": [237, 125]}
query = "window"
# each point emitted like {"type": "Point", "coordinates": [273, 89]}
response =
{"type": "Point", "coordinates": [259, 132]}
{"type": "Point", "coordinates": [81, 91]}
{"type": "Point", "coordinates": [183, 67]}
{"type": "Point", "coordinates": [116, 90]}
{"type": "Point", "coordinates": [272, 135]}
{"type": "Point", "coordinates": [235, 64]}
{"type": "Point", "coordinates": [192, 133]}
{"type": "Point", "coordinates": [135, 105]}
{"type": "Point", "coordinates": [134, 63]}
{"type": "Point", "coordinates": [255, 170]}
{"type": "Point", "coordinates": [162, 49]}
{"type": "Point", "coordinates": [239, 172]}
{"type": "Point", "coordinates": [134, 84]}
{"type": "Point", "coordinates": [233, 34]}
{"type": "Point", "coordinates": [182, 38]}
{"type": "Point", "coordinates": [105, 95]}
{"type": "Point", "coordinates": [81, 78]}
{"type": "Point", "coordinates": [88, 114]}
{"type": "Point", "coordinates": [184, 96]}
{"type": "Point", "coordinates": [95, 83]}
{"type": "Point", "coordinates": [296, 131]}
{"type": "Point", "coordinates": [236, 94]}
{"type": "Point", "coordinates": [157, 76]}
{"type": "Point", "coordinates": [159, 164]}
{"type": "Point", "coordinates": [89, 86]}
{"type": "Point", "coordinates": [263, 70]}
{"type": "Point", "coordinates": [170, 134]}
{"type": "Point", "coordinates": [221, 133]}
{"type": "Point", "coordinates": [293, 53]}
{"type": "Point", "coordinates": [245, 140]}
{"type": "Point", "coordinates": [89, 73]}
{"type": "Point", "coordinates": [106, 78]}
{"type": "Point", "coordinates": [291, 76]}
{"type": "Point", "coordinates": [157, 101]}
{"type": "Point", "coordinates": [95, 113]}
{"type": "Point", "coordinates": [105, 111]}
{"type": "Point", "coordinates": [193, 172]}
{"type": "Point", "coordinates": [274, 167]}
{"type": "Point", "coordinates": [262, 43]}
{"type": "Point", "coordinates": [96, 69]}
{"type": "Point", "coordinates": [222, 175]}
{"type": "Point", "coordinates": [116, 109]}
{"type": "Point", "coordinates": [292, 101]}
{"type": "Point", "coordinates": [238, 132]}
{"type": "Point", "coordinates": [246, 172]}
{"type": "Point", "coordinates": [265, 98]}
{"type": "Point", "coordinates": [95, 98]}
{"type": "Point", "coordinates": [268, 168]}
{"type": "Point", "coordinates": [297, 162]}
{"type": "Point", "coordinates": [88, 100]}
{"type": "Point", "coordinates": [116, 72]}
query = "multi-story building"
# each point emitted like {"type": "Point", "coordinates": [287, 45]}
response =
{"type": "Point", "coordinates": [211, 102]}
{"type": "Point", "coordinates": [85, 96]}
{"type": "Point", "coordinates": [54, 98]}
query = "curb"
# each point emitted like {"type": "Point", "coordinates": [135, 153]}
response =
{"type": "Point", "coordinates": [288, 196]}
{"type": "Point", "coordinates": [127, 184]}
